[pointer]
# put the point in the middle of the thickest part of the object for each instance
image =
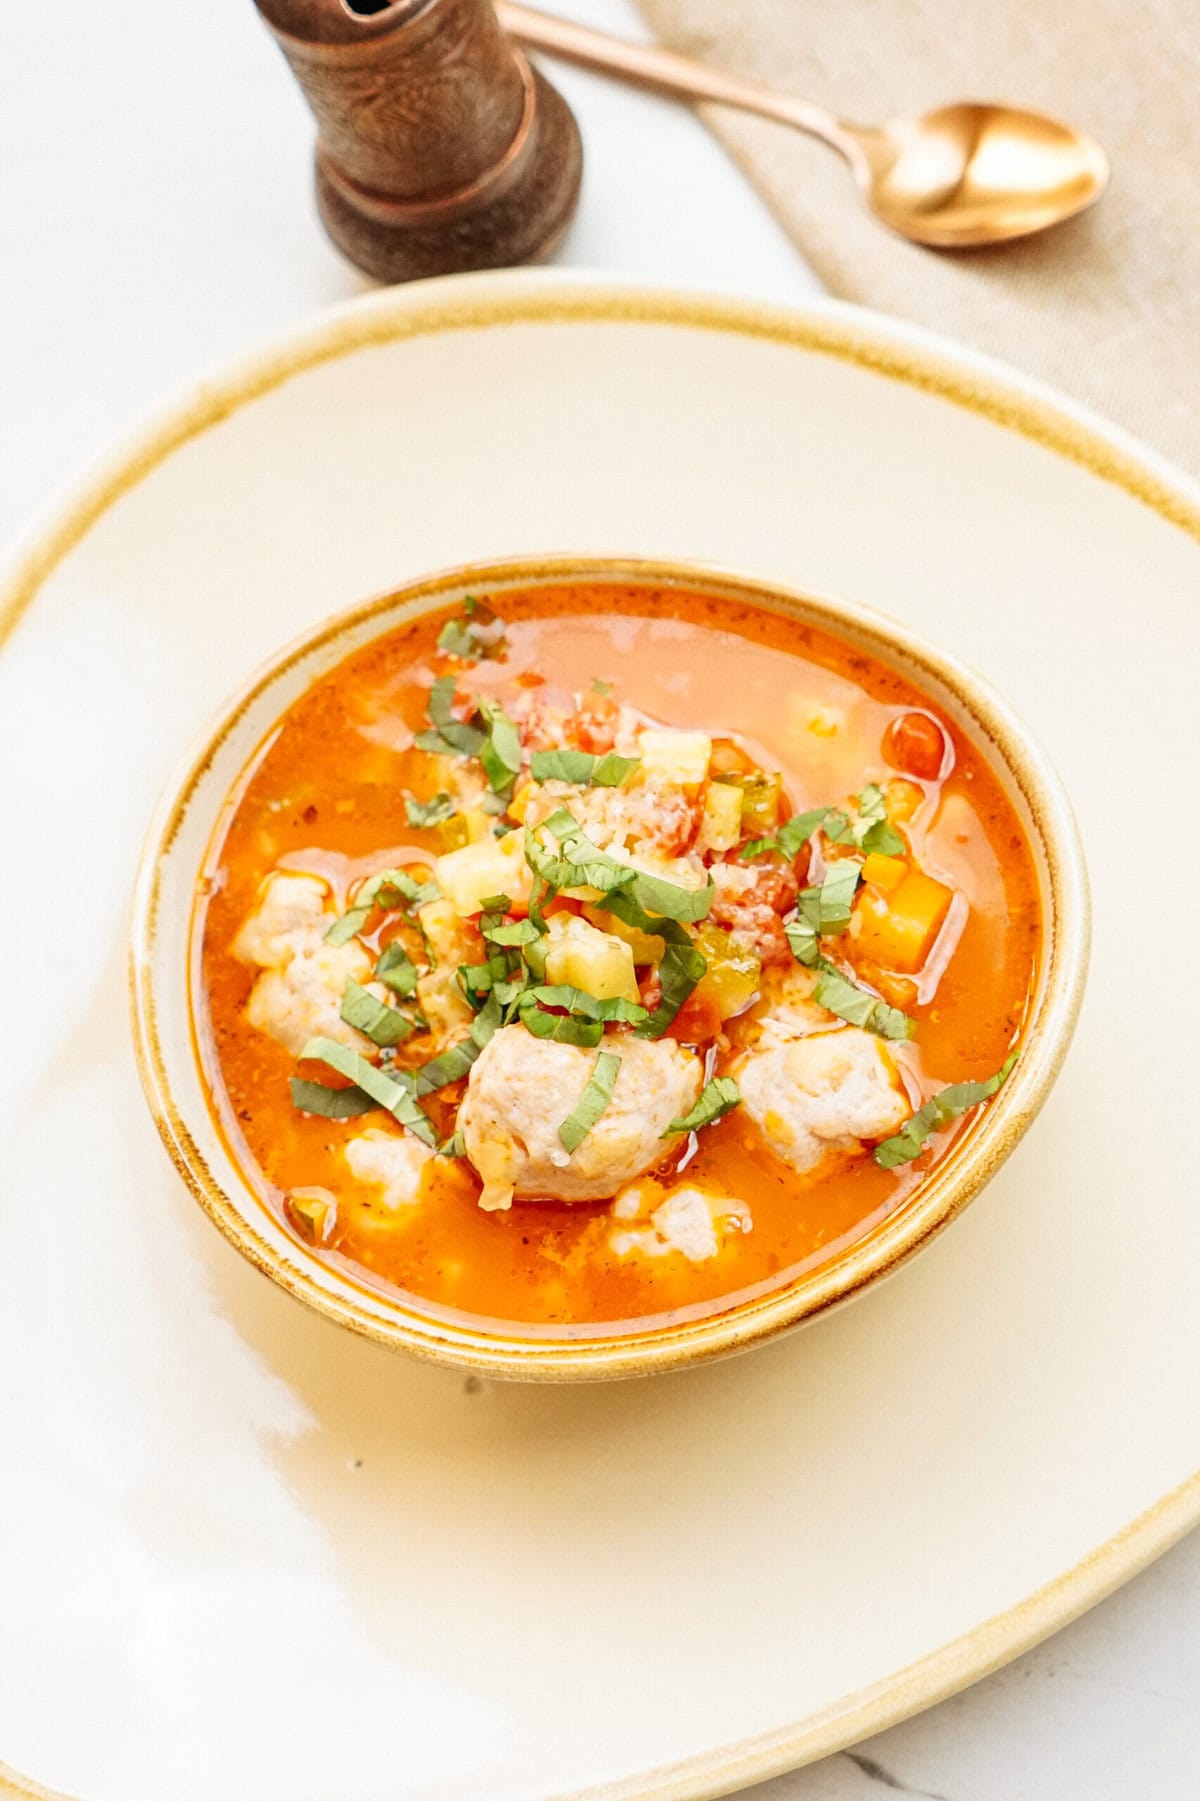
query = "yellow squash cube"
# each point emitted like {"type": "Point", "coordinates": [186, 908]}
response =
{"type": "Point", "coordinates": [491, 866]}
{"type": "Point", "coordinates": [580, 956]}
{"type": "Point", "coordinates": [721, 823]}
{"type": "Point", "coordinates": [675, 756]}
{"type": "Point", "coordinates": [645, 947]}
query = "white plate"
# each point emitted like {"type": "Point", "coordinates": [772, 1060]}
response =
{"type": "Point", "coordinates": [243, 1553]}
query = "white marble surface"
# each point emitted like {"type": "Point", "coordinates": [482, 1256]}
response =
{"type": "Point", "coordinates": [155, 216]}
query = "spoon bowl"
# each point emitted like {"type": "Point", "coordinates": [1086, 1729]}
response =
{"type": "Point", "coordinates": [975, 173]}
{"type": "Point", "coordinates": [954, 178]}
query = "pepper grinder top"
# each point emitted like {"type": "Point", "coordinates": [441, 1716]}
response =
{"type": "Point", "coordinates": [439, 149]}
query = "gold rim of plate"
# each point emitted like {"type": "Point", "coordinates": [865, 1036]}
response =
{"type": "Point", "coordinates": [894, 352]}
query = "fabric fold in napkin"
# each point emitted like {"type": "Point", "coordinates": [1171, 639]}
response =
{"type": "Point", "coordinates": [1106, 307]}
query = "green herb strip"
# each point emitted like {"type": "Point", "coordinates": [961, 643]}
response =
{"type": "Point", "coordinates": [393, 1092]}
{"type": "Point", "coordinates": [396, 970]}
{"type": "Point", "coordinates": [455, 1063]}
{"type": "Point", "coordinates": [682, 963]}
{"type": "Point", "coordinates": [581, 864]}
{"type": "Point", "coordinates": [592, 1102]}
{"type": "Point", "coordinates": [824, 910]}
{"type": "Point", "coordinates": [391, 889]}
{"type": "Point", "coordinates": [790, 838]}
{"type": "Point", "coordinates": [581, 768]}
{"type": "Point", "coordinates": [938, 1111]}
{"type": "Point", "coordinates": [869, 830]}
{"type": "Point", "coordinates": [500, 752]}
{"type": "Point", "coordinates": [478, 634]}
{"type": "Point", "coordinates": [383, 1025]}
{"type": "Point", "coordinates": [450, 736]}
{"type": "Point", "coordinates": [424, 813]}
{"type": "Point", "coordinates": [717, 1098]}
{"type": "Point", "coordinates": [330, 1103]}
{"type": "Point", "coordinates": [858, 1007]}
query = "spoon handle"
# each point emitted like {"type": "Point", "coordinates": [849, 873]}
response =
{"type": "Point", "coordinates": [667, 73]}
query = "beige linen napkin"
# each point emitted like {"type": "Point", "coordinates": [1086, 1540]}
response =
{"type": "Point", "coordinates": [1106, 307]}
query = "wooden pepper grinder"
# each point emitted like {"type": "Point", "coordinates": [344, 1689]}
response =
{"type": "Point", "coordinates": [438, 147]}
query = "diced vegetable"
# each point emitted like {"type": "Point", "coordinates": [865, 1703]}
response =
{"type": "Point", "coordinates": [580, 956]}
{"type": "Point", "coordinates": [646, 948]}
{"type": "Point", "coordinates": [897, 930]}
{"type": "Point", "coordinates": [675, 756]}
{"type": "Point", "coordinates": [721, 821]}
{"type": "Point", "coordinates": [884, 872]}
{"type": "Point", "coordinates": [760, 800]}
{"type": "Point", "coordinates": [731, 979]}
{"type": "Point", "coordinates": [467, 877]}
{"type": "Point", "coordinates": [313, 1212]}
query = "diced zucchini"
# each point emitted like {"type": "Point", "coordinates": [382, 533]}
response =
{"type": "Point", "coordinates": [721, 823]}
{"type": "Point", "coordinates": [581, 956]}
{"type": "Point", "coordinates": [760, 800]}
{"type": "Point", "coordinates": [680, 757]}
{"type": "Point", "coordinates": [733, 971]}
{"type": "Point", "coordinates": [897, 930]}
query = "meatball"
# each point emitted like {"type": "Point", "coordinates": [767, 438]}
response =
{"type": "Point", "coordinates": [522, 1088]}
{"type": "Point", "coordinates": [827, 1091]}
{"type": "Point", "coordinates": [298, 995]}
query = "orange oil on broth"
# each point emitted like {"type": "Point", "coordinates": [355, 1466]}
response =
{"type": "Point", "coordinates": [330, 781]}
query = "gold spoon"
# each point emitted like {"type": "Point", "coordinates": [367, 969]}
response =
{"type": "Point", "coordinates": [958, 176]}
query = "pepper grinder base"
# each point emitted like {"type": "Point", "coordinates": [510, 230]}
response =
{"type": "Point", "coordinates": [514, 213]}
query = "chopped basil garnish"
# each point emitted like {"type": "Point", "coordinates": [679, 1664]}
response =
{"type": "Point", "coordinates": [393, 1092]}
{"type": "Point", "coordinates": [938, 1111]}
{"type": "Point", "coordinates": [858, 1007]}
{"type": "Point", "coordinates": [823, 910]}
{"type": "Point", "coordinates": [592, 1102]}
{"type": "Point", "coordinates": [452, 1146]}
{"type": "Point", "coordinates": [718, 1097]}
{"type": "Point", "coordinates": [791, 837]}
{"type": "Point", "coordinates": [383, 1025]}
{"type": "Point", "coordinates": [604, 689]}
{"type": "Point", "coordinates": [455, 1063]}
{"type": "Point", "coordinates": [396, 970]}
{"type": "Point", "coordinates": [500, 752]}
{"type": "Point", "coordinates": [450, 736]}
{"type": "Point", "coordinates": [581, 864]}
{"type": "Point", "coordinates": [479, 633]}
{"type": "Point", "coordinates": [423, 813]}
{"type": "Point", "coordinates": [577, 1017]}
{"type": "Point", "coordinates": [581, 768]}
{"type": "Point", "coordinates": [577, 1000]}
{"type": "Point", "coordinates": [390, 889]}
{"type": "Point", "coordinates": [330, 1103]}
{"type": "Point", "coordinates": [872, 830]}
{"type": "Point", "coordinates": [682, 963]}
{"type": "Point", "coordinates": [869, 829]}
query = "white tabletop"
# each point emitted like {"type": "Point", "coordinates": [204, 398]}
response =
{"type": "Point", "coordinates": [156, 216]}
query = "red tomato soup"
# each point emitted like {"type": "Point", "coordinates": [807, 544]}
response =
{"type": "Point", "coordinates": [604, 953]}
